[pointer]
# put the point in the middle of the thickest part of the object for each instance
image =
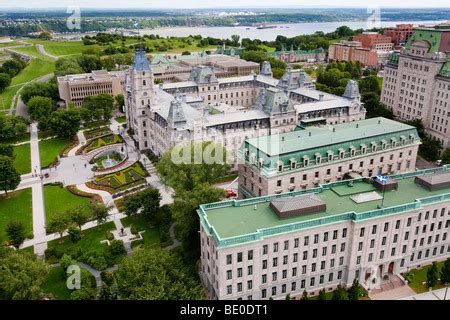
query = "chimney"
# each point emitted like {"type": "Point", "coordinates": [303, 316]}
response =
{"type": "Point", "coordinates": [321, 96]}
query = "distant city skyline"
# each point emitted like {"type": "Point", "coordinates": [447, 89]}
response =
{"type": "Point", "coordinates": [173, 4]}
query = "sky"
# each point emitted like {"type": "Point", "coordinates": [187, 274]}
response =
{"type": "Point", "coordinates": [214, 3]}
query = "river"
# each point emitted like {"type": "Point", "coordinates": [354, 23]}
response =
{"type": "Point", "coordinates": [287, 30]}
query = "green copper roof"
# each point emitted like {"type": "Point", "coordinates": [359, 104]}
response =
{"type": "Point", "coordinates": [432, 36]}
{"type": "Point", "coordinates": [445, 71]}
{"type": "Point", "coordinates": [240, 221]}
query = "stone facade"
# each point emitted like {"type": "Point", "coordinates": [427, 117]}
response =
{"type": "Point", "coordinates": [312, 254]}
{"type": "Point", "coordinates": [226, 110]}
{"type": "Point", "coordinates": [417, 82]}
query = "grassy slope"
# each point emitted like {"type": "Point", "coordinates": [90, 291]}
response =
{"type": "Point", "coordinates": [58, 199]}
{"type": "Point", "coordinates": [17, 206]}
{"type": "Point", "coordinates": [22, 160]}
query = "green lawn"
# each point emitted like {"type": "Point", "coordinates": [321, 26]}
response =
{"type": "Point", "coordinates": [56, 284]}
{"type": "Point", "coordinates": [419, 276]}
{"type": "Point", "coordinates": [90, 240]}
{"type": "Point", "coordinates": [49, 150]}
{"type": "Point", "coordinates": [22, 160]}
{"type": "Point", "coordinates": [151, 235]}
{"type": "Point", "coordinates": [58, 199]}
{"type": "Point", "coordinates": [17, 206]}
{"type": "Point", "coordinates": [18, 139]}
{"type": "Point", "coordinates": [122, 119]}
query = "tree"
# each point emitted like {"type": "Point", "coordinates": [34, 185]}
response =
{"type": "Point", "coordinates": [67, 65]}
{"type": "Point", "coordinates": [74, 233]}
{"type": "Point", "coordinates": [6, 150]}
{"type": "Point", "coordinates": [11, 126]}
{"type": "Point", "coordinates": [432, 275]}
{"type": "Point", "coordinates": [42, 89]}
{"type": "Point", "coordinates": [5, 81]}
{"type": "Point", "coordinates": [304, 295]}
{"type": "Point", "coordinates": [430, 147]}
{"type": "Point", "coordinates": [235, 38]}
{"type": "Point", "coordinates": [59, 223]}
{"type": "Point", "coordinates": [9, 176]}
{"type": "Point", "coordinates": [45, 35]}
{"type": "Point", "coordinates": [145, 202]}
{"type": "Point", "coordinates": [156, 274]}
{"type": "Point", "coordinates": [16, 233]}
{"type": "Point", "coordinates": [89, 62]}
{"type": "Point", "coordinates": [322, 295]}
{"type": "Point", "coordinates": [98, 107]}
{"type": "Point", "coordinates": [446, 156]}
{"type": "Point", "coordinates": [445, 272]}
{"type": "Point", "coordinates": [65, 122]}
{"type": "Point", "coordinates": [21, 275]}
{"type": "Point", "coordinates": [119, 101]}
{"type": "Point", "coordinates": [12, 67]}
{"type": "Point", "coordinates": [78, 216]}
{"type": "Point", "coordinates": [353, 292]}
{"type": "Point", "coordinates": [99, 211]}
{"type": "Point", "coordinates": [339, 293]}
{"type": "Point", "coordinates": [40, 108]}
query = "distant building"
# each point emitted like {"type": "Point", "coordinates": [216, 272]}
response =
{"type": "Point", "coordinates": [178, 67]}
{"type": "Point", "coordinates": [353, 51]}
{"type": "Point", "coordinates": [294, 56]}
{"type": "Point", "coordinates": [74, 88]}
{"type": "Point", "coordinates": [374, 41]}
{"type": "Point", "coordinates": [285, 244]}
{"type": "Point", "coordinates": [416, 81]}
{"type": "Point", "coordinates": [321, 154]}
{"type": "Point", "coordinates": [399, 34]}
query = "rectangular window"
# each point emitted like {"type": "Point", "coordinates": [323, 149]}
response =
{"type": "Point", "coordinates": [229, 258]}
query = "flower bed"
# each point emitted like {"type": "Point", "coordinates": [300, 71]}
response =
{"type": "Point", "coordinates": [63, 153]}
{"type": "Point", "coordinates": [74, 190]}
{"type": "Point", "coordinates": [96, 132]}
{"type": "Point", "coordinates": [104, 140]}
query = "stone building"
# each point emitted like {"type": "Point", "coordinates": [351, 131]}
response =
{"type": "Point", "coordinates": [74, 88]}
{"type": "Point", "coordinates": [314, 155]}
{"type": "Point", "coordinates": [416, 82]}
{"type": "Point", "coordinates": [279, 245]}
{"type": "Point", "coordinates": [226, 110]}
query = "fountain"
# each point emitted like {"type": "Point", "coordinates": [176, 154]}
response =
{"type": "Point", "coordinates": [108, 163]}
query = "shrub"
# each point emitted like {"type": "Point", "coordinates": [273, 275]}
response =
{"type": "Point", "coordinates": [107, 277]}
{"type": "Point", "coordinates": [134, 230]}
{"type": "Point", "coordinates": [66, 261]}
{"type": "Point", "coordinates": [74, 234]}
{"type": "Point", "coordinates": [116, 248]}
{"type": "Point", "coordinates": [109, 236]}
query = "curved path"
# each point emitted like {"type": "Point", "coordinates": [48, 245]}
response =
{"type": "Point", "coordinates": [42, 50]}
{"type": "Point", "coordinates": [176, 242]}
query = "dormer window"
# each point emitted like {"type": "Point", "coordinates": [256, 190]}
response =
{"type": "Point", "coordinates": [318, 158]}
{"type": "Point", "coordinates": [394, 142]}
{"type": "Point", "coordinates": [352, 151]}
{"type": "Point", "coordinates": [280, 166]}
{"type": "Point", "coordinates": [246, 153]}
{"type": "Point", "coordinates": [341, 153]}
{"type": "Point", "coordinates": [402, 140]}
{"type": "Point", "coordinates": [305, 161]}
{"type": "Point", "coordinates": [412, 138]}
{"type": "Point", "coordinates": [330, 155]}
{"type": "Point", "coordinates": [293, 163]}
{"type": "Point", "coordinates": [260, 162]}
{"type": "Point", "coordinates": [374, 146]}
{"type": "Point", "coordinates": [252, 158]}
{"type": "Point", "coordinates": [363, 149]}
{"type": "Point", "coordinates": [383, 144]}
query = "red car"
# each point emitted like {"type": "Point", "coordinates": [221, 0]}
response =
{"type": "Point", "coordinates": [231, 193]}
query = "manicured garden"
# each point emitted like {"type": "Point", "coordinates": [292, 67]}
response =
{"type": "Point", "coordinates": [58, 199]}
{"type": "Point", "coordinates": [417, 278]}
{"type": "Point", "coordinates": [120, 180]}
{"type": "Point", "coordinates": [50, 149]}
{"type": "Point", "coordinates": [102, 141]}
{"type": "Point", "coordinates": [151, 236]}
{"type": "Point", "coordinates": [88, 249]}
{"type": "Point", "coordinates": [16, 206]}
{"type": "Point", "coordinates": [22, 158]}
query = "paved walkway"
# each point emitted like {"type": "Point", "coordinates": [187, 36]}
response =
{"type": "Point", "coordinates": [42, 50]}
{"type": "Point", "coordinates": [81, 142]}
{"type": "Point", "coordinates": [176, 242]}
{"type": "Point", "coordinates": [438, 294]}
{"type": "Point", "coordinates": [37, 194]}
{"type": "Point", "coordinates": [393, 294]}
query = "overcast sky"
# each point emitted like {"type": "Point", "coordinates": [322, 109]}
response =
{"type": "Point", "coordinates": [215, 3]}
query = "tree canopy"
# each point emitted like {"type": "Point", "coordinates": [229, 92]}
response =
{"type": "Point", "coordinates": [9, 176]}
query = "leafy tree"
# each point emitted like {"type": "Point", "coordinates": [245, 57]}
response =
{"type": "Point", "coordinates": [353, 292]}
{"type": "Point", "coordinates": [12, 67]}
{"type": "Point", "coordinates": [59, 223]}
{"type": "Point", "coordinates": [156, 274]}
{"type": "Point", "coordinates": [74, 233]}
{"type": "Point", "coordinates": [185, 53]}
{"type": "Point", "coordinates": [116, 248]}
{"type": "Point", "coordinates": [67, 65]}
{"type": "Point", "coordinates": [445, 272]}
{"type": "Point", "coordinates": [145, 202]}
{"type": "Point", "coordinates": [89, 62]}
{"type": "Point", "coordinates": [445, 156]}
{"type": "Point", "coordinates": [235, 38]}
{"type": "Point", "coordinates": [369, 84]}
{"type": "Point", "coordinates": [40, 108]}
{"type": "Point", "coordinates": [6, 150]}
{"type": "Point", "coordinates": [65, 122]}
{"type": "Point", "coordinates": [304, 295]}
{"type": "Point", "coordinates": [16, 233]}
{"type": "Point", "coordinates": [42, 89]}
{"type": "Point", "coordinates": [11, 126]}
{"type": "Point", "coordinates": [339, 293]}
{"type": "Point", "coordinates": [88, 289]}
{"type": "Point", "coordinates": [45, 35]}
{"type": "Point", "coordinates": [288, 297]}
{"type": "Point", "coordinates": [322, 295]}
{"type": "Point", "coordinates": [99, 211]}
{"type": "Point", "coordinates": [432, 275]}
{"type": "Point", "coordinates": [66, 261]}
{"type": "Point", "coordinates": [119, 101]}
{"type": "Point", "coordinates": [21, 275]}
{"type": "Point", "coordinates": [5, 81]}
{"type": "Point", "coordinates": [430, 147]}
{"type": "Point", "coordinates": [97, 107]}
{"type": "Point", "coordinates": [9, 176]}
